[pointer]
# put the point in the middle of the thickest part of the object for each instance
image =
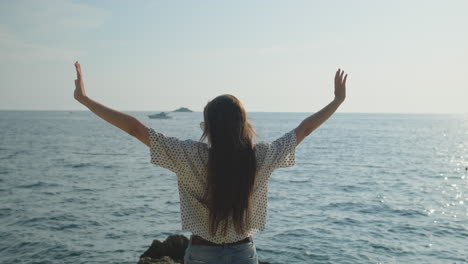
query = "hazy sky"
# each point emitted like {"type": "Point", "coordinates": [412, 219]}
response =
{"type": "Point", "coordinates": [401, 56]}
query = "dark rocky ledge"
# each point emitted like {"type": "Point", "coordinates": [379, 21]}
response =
{"type": "Point", "coordinates": [171, 251]}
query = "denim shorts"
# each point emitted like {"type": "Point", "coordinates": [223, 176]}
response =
{"type": "Point", "coordinates": [244, 253]}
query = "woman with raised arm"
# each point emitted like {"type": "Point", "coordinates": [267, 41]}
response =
{"type": "Point", "coordinates": [223, 184]}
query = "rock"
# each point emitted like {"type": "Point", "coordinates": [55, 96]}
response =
{"type": "Point", "coordinates": [183, 109]}
{"type": "Point", "coordinates": [163, 260]}
{"type": "Point", "coordinates": [174, 247]}
{"type": "Point", "coordinates": [171, 251]}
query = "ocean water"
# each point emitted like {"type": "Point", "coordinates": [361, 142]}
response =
{"type": "Point", "coordinates": [366, 188]}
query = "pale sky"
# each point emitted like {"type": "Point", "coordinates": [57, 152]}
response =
{"type": "Point", "coordinates": [275, 56]}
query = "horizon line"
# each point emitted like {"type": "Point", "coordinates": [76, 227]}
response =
{"type": "Point", "coordinates": [61, 110]}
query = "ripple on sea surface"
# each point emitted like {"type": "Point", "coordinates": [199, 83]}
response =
{"type": "Point", "coordinates": [38, 184]}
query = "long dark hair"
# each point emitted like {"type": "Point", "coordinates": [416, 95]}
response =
{"type": "Point", "coordinates": [231, 164]}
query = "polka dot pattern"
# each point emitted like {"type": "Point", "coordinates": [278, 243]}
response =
{"type": "Point", "coordinates": [188, 159]}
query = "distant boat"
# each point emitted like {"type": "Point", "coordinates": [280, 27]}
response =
{"type": "Point", "coordinates": [161, 115]}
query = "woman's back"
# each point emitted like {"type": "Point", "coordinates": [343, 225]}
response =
{"type": "Point", "coordinates": [188, 160]}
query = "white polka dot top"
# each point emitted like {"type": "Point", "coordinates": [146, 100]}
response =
{"type": "Point", "coordinates": [188, 160]}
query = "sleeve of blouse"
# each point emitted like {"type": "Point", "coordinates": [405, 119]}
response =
{"type": "Point", "coordinates": [168, 152]}
{"type": "Point", "coordinates": [281, 152]}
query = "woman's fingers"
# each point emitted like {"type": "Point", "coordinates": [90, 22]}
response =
{"type": "Point", "coordinates": [339, 80]}
{"type": "Point", "coordinates": [337, 77]}
{"type": "Point", "coordinates": [79, 92]}
{"type": "Point", "coordinates": [340, 85]}
{"type": "Point", "coordinates": [78, 70]}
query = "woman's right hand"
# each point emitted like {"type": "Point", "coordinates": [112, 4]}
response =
{"type": "Point", "coordinates": [80, 92]}
{"type": "Point", "coordinates": [340, 85]}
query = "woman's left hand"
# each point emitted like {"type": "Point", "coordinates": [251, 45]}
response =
{"type": "Point", "coordinates": [340, 85]}
{"type": "Point", "coordinates": [80, 93]}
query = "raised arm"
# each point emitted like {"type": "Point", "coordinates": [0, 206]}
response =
{"type": "Point", "coordinates": [314, 121]}
{"type": "Point", "coordinates": [126, 122]}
